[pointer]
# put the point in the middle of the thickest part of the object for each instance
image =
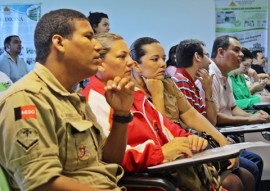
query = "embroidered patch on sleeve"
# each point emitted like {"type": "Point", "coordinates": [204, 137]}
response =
{"type": "Point", "coordinates": [27, 138]}
{"type": "Point", "coordinates": [25, 112]}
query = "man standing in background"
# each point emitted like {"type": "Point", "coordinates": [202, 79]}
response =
{"type": "Point", "coordinates": [10, 62]}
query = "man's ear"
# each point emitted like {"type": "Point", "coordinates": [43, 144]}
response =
{"type": "Point", "coordinates": [220, 52]}
{"type": "Point", "coordinates": [7, 47]}
{"type": "Point", "coordinates": [58, 42]}
{"type": "Point", "coordinates": [136, 67]}
{"type": "Point", "coordinates": [197, 57]}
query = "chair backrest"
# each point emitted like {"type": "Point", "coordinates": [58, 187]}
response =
{"type": "Point", "coordinates": [4, 186]}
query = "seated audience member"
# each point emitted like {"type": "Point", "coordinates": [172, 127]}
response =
{"type": "Point", "coordinates": [148, 123]}
{"type": "Point", "coordinates": [252, 81]}
{"type": "Point", "coordinates": [10, 62]}
{"type": "Point", "coordinates": [99, 22]}
{"type": "Point", "coordinates": [152, 138]}
{"type": "Point", "coordinates": [241, 93]}
{"type": "Point", "coordinates": [227, 56]}
{"type": "Point", "coordinates": [148, 75]}
{"type": "Point", "coordinates": [255, 85]}
{"type": "Point", "coordinates": [252, 74]}
{"type": "Point", "coordinates": [57, 142]}
{"type": "Point", "coordinates": [171, 62]}
{"type": "Point", "coordinates": [193, 63]}
{"type": "Point", "coordinates": [258, 62]}
{"type": "Point", "coordinates": [258, 65]}
{"type": "Point", "coordinates": [5, 83]}
{"type": "Point", "coordinates": [192, 66]}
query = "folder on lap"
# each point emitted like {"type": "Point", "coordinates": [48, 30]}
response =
{"type": "Point", "coordinates": [245, 128]}
{"type": "Point", "coordinates": [210, 155]}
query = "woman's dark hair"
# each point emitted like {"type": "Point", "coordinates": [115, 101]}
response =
{"type": "Point", "coordinates": [172, 56]}
{"type": "Point", "coordinates": [95, 18]}
{"type": "Point", "coordinates": [247, 54]}
{"type": "Point", "coordinates": [136, 50]}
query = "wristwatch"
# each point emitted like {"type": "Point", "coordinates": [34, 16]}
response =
{"type": "Point", "coordinates": [211, 99]}
{"type": "Point", "coordinates": [123, 119]}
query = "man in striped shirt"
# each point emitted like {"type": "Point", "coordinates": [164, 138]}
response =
{"type": "Point", "coordinates": [193, 62]}
{"type": "Point", "coordinates": [192, 59]}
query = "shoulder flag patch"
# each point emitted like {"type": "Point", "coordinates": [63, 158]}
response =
{"type": "Point", "coordinates": [25, 112]}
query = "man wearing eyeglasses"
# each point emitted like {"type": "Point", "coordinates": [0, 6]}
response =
{"type": "Point", "coordinates": [227, 55]}
{"type": "Point", "coordinates": [243, 97]}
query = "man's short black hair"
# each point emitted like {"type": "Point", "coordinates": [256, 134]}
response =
{"type": "Point", "coordinates": [8, 40]}
{"type": "Point", "coordinates": [186, 50]}
{"type": "Point", "coordinates": [95, 18]}
{"type": "Point", "coordinates": [221, 42]}
{"type": "Point", "coordinates": [55, 22]}
{"type": "Point", "coordinates": [255, 53]}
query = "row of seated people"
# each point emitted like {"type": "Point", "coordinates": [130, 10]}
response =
{"type": "Point", "coordinates": [249, 87]}
{"type": "Point", "coordinates": [151, 137]}
{"type": "Point", "coordinates": [148, 73]}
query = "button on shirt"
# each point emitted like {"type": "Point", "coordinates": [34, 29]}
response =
{"type": "Point", "coordinates": [13, 70]}
{"type": "Point", "coordinates": [222, 91]}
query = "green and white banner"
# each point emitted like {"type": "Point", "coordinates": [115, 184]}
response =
{"type": "Point", "coordinates": [245, 19]}
{"type": "Point", "coordinates": [20, 20]}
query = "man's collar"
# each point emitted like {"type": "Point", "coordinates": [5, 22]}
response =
{"type": "Point", "coordinates": [218, 72]}
{"type": "Point", "coordinates": [185, 73]}
{"type": "Point", "coordinates": [46, 76]}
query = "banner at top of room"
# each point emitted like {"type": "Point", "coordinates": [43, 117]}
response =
{"type": "Point", "coordinates": [21, 20]}
{"type": "Point", "coordinates": [245, 19]}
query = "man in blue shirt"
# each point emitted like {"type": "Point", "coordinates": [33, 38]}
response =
{"type": "Point", "coordinates": [10, 62]}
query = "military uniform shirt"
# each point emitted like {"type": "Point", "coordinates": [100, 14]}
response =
{"type": "Point", "coordinates": [48, 132]}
